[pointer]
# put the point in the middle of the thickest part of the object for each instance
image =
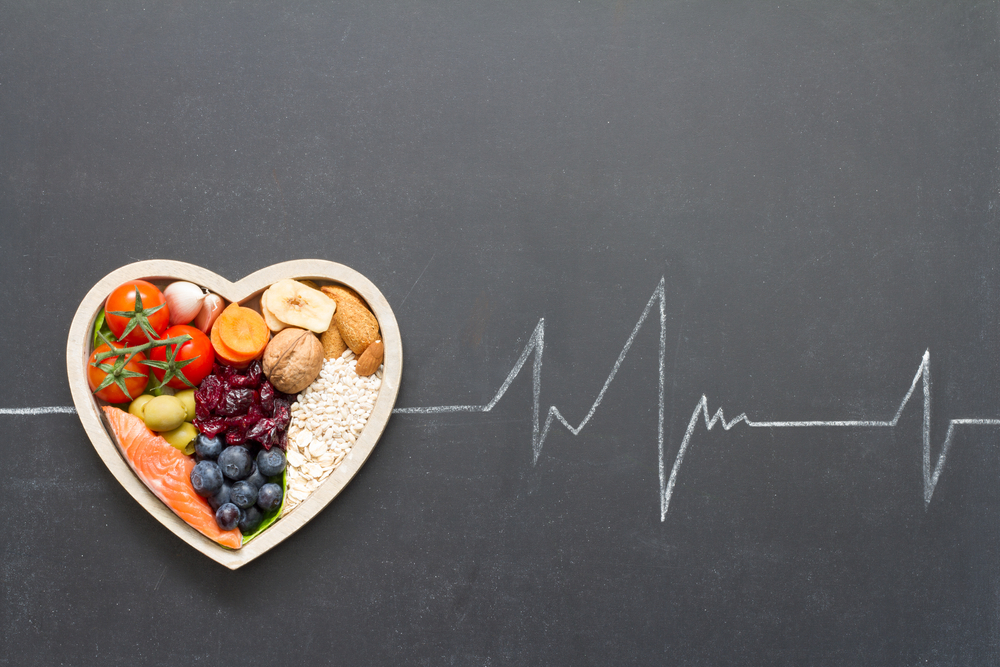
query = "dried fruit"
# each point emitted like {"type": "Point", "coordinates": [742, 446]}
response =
{"type": "Point", "coordinates": [273, 323]}
{"type": "Point", "coordinates": [297, 305]}
{"type": "Point", "coordinates": [242, 406]}
{"type": "Point", "coordinates": [293, 359]}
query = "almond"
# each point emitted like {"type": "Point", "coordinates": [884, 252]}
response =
{"type": "Point", "coordinates": [371, 359]}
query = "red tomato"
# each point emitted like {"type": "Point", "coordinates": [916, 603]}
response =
{"type": "Point", "coordinates": [123, 300]}
{"type": "Point", "coordinates": [198, 348]}
{"type": "Point", "coordinates": [112, 393]}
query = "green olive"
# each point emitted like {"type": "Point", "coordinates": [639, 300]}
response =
{"type": "Point", "coordinates": [187, 398]}
{"type": "Point", "coordinates": [164, 413]}
{"type": "Point", "coordinates": [182, 437]}
{"type": "Point", "coordinates": [139, 404]}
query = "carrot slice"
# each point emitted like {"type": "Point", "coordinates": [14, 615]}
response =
{"type": "Point", "coordinates": [243, 331]}
{"type": "Point", "coordinates": [222, 351]}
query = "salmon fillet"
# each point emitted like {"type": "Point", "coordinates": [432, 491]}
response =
{"type": "Point", "coordinates": [167, 473]}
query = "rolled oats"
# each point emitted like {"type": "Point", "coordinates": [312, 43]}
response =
{"type": "Point", "coordinates": [326, 420]}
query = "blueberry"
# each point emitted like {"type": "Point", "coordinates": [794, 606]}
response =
{"type": "Point", "coordinates": [251, 519]}
{"type": "Point", "coordinates": [208, 448]}
{"type": "Point", "coordinates": [256, 478]}
{"type": "Point", "coordinates": [206, 478]}
{"type": "Point", "coordinates": [227, 516]}
{"type": "Point", "coordinates": [235, 462]}
{"type": "Point", "coordinates": [221, 496]}
{"type": "Point", "coordinates": [270, 462]}
{"type": "Point", "coordinates": [269, 497]}
{"type": "Point", "coordinates": [244, 495]}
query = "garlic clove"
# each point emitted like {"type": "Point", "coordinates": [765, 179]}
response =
{"type": "Point", "coordinates": [211, 307]}
{"type": "Point", "coordinates": [184, 301]}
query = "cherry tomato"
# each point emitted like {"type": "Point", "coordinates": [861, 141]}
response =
{"type": "Point", "coordinates": [198, 348]}
{"type": "Point", "coordinates": [113, 393]}
{"type": "Point", "coordinates": [123, 300]}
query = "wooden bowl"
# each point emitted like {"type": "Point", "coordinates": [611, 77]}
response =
{"type": "Point", "coordinates": [246, 292]}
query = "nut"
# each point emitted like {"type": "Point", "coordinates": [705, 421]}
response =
{"type": "Point", "coordinates": [293, 360]}
{"type": "Point", "coordinates": [371, 359]}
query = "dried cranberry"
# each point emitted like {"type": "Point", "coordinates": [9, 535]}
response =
{"type": "Point", "coordinates": [250, 378]}
{"type": "Point", "coordinates": [253, 415]}
{"type": "Point", "coordinates": [243, 406]}
{"type": "Point", "coordinates": [236, 402]}
{"type": "Point", "coordinates": [261, 431]}
{"type": "Point", "coordinates": [233, 422]}
{"type": "Point", "coordinates": [255, 372]}
{"type": "Point", "coordinates": [282, 440]}
{"type": "Point", "coordinates": [201, 410]}
{"type": "Point", "coordinates": [210, 427]}
{"type": "Point", "coordinates": [267, 397]}
{"type": "Point", "coordinates": [282, 411]}
{"type": "Point", "coordinates": [224, 372]}
{"type": "Point", "coordinates": [236, 436]}
{"type": "Point", "coordinates": [209, 392]}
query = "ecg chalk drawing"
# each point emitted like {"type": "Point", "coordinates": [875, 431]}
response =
{"type": "Point", "coordinates": [53, 410]}
{"type": "Point", "coordinates": [536, 345]}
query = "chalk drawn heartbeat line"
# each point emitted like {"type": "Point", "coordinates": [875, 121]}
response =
{"type": "Point", "coordinates": [535, 348]}
{"type": "Point", "coordinates": [923, 377]}
{"type": "Point", "coordinates": [668, 483]}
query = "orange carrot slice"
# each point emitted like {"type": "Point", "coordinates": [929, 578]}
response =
{"type": "Point", "coordinates": [243, 331]}
{"type": "Point", "coordinates": [223, 351]}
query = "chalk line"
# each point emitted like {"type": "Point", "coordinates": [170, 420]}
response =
{"type": "Point", "coordinates": [922, 376]}
{"type": "Point", "coordinates": [536, 344]}
{"type": "Point", "coordinates": [51, 410]}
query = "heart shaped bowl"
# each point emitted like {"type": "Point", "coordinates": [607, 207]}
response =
{"type": "Point", "coordinates": [247, 293]}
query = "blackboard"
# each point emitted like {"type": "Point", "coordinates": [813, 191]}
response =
{"type": "Point", "coordinates": [788, 209]}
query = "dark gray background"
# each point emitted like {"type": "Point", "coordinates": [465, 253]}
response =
{"type": "Point", "coordinates": [817, 182]}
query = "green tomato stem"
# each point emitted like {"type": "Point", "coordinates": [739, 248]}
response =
{"type": "Point", "coordinates": [141, 348]}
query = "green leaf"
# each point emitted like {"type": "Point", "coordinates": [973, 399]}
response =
{"type": "Point", "coordinates": [273, 515]}
{"type": "Point", "coordinates": [101, 327]}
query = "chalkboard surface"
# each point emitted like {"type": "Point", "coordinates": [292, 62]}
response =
{"type": "Point", "coordinates": [624, 215]}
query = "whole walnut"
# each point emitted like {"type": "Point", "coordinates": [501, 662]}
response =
{"type": "Point", "coordinates": [293, 359]}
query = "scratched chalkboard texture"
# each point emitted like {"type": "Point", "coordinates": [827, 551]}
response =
{"type": "Point", "coordinates": [783, 210]}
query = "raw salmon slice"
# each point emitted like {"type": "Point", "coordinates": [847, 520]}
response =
{"type": "Point", "coordinates": [167, 473]}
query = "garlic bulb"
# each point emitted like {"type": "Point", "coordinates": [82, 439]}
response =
{"type": "Point", "coordinates": [184, 301]}
{"type": "Point", "coordinates": [210, 310]}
